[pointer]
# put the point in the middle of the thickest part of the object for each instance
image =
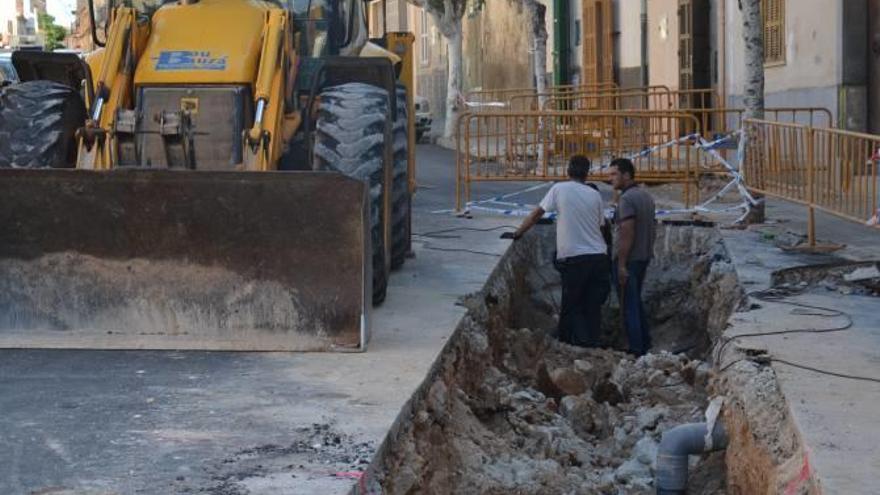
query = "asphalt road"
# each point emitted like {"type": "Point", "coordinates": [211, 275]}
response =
{"type": "Point", "coordinates": [116, 422]}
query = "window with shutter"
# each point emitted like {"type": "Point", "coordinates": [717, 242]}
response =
{"type": "Point", "coordinates": [685, 50]}
{"type": "Point", "coordinates": [773, 15]}
{"type": "Point", "coordinates": [424, 40]}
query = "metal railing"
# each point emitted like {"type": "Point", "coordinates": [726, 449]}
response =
{"type": "Point", "coordinates": [831, 170]}
{"type": "Point", "coordinates": [649, 98]}
{"type": "Point", "coordinates": [502, 95]}
{"type": "Point", "coordinates": [536, 146]}
{"type": "Point", "coordinates": [721, 121]}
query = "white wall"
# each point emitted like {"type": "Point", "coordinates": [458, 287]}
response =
{"type": "Point", "coordinates": [813, 46]}
{"type": "Point", "coordinates": [628, 23]}
{"type": "Point", "coordinates": [663, 42]}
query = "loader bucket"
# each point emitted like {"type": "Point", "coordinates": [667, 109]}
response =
{"type": "Point", "coordinates": [150, 259]}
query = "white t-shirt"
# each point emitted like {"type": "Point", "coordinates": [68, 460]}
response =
{"type": "Point", "coordinates": [580, 215]}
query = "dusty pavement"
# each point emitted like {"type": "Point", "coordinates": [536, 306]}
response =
{"type": "Point", "coordinates": [230, 423]}
{"type": "Point", "coordinates": [835, 416]}
{"type": "Point", "coordinates": [510, 410]}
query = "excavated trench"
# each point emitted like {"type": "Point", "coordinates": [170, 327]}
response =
{"type": "Point", "coordinates": [508, 409]}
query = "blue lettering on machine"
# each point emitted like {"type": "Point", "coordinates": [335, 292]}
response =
{"type": "Point", "coordinates": [190, 60]}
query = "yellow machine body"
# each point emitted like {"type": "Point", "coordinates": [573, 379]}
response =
{"type": "Point", "coordinates": [222, 46]}
{"type": "Point", "coordinates": [177, 230]}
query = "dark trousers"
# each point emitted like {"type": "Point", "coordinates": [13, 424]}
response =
{"type": "Point", "coordinates": [585, 287]}
{"type": "Point", "coordinates": [634, 316]}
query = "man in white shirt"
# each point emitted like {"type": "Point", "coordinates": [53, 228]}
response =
{"type": "Point", "coordinates": [581, 253]}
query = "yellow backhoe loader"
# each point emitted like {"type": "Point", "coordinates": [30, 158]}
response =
{"type": "Point", "coordinates": [239, 178]}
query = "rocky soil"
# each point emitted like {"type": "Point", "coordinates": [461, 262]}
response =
{"type": "Point", "coordinates": [551, 418]}
{"type": "Point", "coordinates": [510, 410]}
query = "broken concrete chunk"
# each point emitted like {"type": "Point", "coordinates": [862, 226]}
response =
{"type": "Point", "coordinates": [422, 417]}
{"type": "Point", "coordinates": [436, 400]}
{"type": "Point", "coordinates": [580, 411]}
{"type": "Point", "coordinates": [622, 439]}
{"type": "Point", "coordinates": [569, 381]}
{"type": "Point", "coordinates": [529, 394]}
{"type": "Point", "coordinates": [647, 419]}
{"type": "Point", "coordinates": [645, 451]}
{"type": "Point", "coordinates": [633, 472]}
{"type": "Point", "coordinates": [863, 273]}
{"type": "Point", "coordinates": [657, 377]}
{"type": "Point", "coordinates": [583, 366]}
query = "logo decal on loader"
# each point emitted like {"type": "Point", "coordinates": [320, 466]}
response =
{"type": "Point", "coordinates": [190, 60]}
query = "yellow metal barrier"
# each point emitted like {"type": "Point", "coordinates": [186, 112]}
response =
{"type": "Point", "coordinates": [650, 98]}
{"type": "Point", "coordinates": [721, 121]}
{"type": "Point", "coordinates": [645, 98]}
{"type": "Point", "coordinates": [501, 95]}
{"type": "Point", "coordinates": [831, 170]}
{"type": "Point", "coordinates": [495, 99]}
{"type": "Point", "coordinates": [536, 146]}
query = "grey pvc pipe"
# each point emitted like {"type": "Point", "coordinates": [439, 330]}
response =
{"type": "Point", "coordinates": [676, 446]}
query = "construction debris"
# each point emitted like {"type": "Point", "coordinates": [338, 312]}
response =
{"type": "Point", "coordinates": [512, 410]}
{"type": "Point", "coordinates": [542, 422]}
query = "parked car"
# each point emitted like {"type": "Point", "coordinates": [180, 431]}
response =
{"type": "Point", "coordinates": [7, 71]}
{"type": "Point", "coordinates": [423, 117]}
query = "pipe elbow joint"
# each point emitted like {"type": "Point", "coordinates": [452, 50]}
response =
{"type": "Point", "coordinates": [676, 446]}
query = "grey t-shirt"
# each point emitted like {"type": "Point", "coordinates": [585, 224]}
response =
{"type": "Point", "coordinates": [636, 203]}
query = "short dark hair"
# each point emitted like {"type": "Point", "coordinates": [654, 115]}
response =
{"type": "Point", "coordinates": [579, 167]}
{"type": "Point", "coordinates": [625, 166]}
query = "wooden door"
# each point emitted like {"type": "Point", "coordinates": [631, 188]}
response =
{"type": "Point", "coordinates": [598, 49]}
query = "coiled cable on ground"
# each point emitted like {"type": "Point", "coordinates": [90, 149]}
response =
{"type": "Point", "coordinates": [780, 295]}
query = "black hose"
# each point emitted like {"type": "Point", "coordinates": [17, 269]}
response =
{"type": "Point", "coordinates": [94, 27]}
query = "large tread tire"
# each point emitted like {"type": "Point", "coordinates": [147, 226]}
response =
{"type": "Point", "coordinates": [38, 121]}
{"type": "Point", "coordinates": [400, 201]}
{"type": "Point", "coordinates": [350, 138]}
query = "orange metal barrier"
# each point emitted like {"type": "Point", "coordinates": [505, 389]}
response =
{"type": "Point", "coordinates": [826, 169]}
{"type": "Point", "coordinates": [536, 146]}
{"type": "Point", "coordinates": [718, 122]}
{"type": "Point", "coordinates": [503, 94]}
{"type": "Point", "coordinates": [721, 121]}
{"type": "Point", "coordinates": [650, 98]}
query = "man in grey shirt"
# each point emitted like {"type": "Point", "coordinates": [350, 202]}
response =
{"type": "Point", "coordinates": [635, 229]}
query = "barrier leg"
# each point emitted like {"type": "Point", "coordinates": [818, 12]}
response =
{"type": "Point", "coordinates": [811, 227]}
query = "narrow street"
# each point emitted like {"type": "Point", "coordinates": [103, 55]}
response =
{"type": "Point", "coordinates": [262, 247]}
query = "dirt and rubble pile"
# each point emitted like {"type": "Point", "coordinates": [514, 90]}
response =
{"type": "Point", "coordinates": [538, 416]}
{"type": "Point", "coordinates": [508, 409]}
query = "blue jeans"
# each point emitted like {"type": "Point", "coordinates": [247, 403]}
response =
{"type": "Point", "coordinates": [638, 333]}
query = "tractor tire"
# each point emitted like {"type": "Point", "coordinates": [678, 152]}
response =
{"type": "Point", "coordinates": [400, 200]}
{"type": "Point", "coordinates": [38, 121]}
{"type": "Point", "coordinates": [350, 138]}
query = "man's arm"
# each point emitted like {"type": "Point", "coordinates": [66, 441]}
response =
{"type": "Point", "coordinates": [548, 203]}
{"type": "Point", "coordinates": [529, 222]}
{"type": "Point", "coordinates": [626, 236]}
